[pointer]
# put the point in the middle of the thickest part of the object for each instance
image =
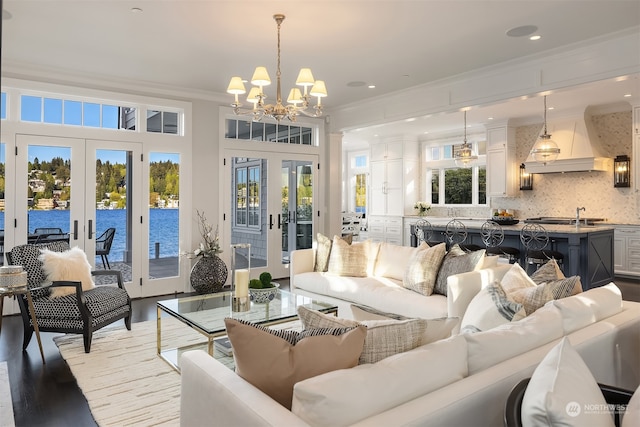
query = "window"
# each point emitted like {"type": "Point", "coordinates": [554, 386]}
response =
{"type": "Point", "coordinates": [247, 195]}
{"type": "Point", "coordinates": [361, 193]}
{"type": "Point", "coordinates": [452, 185]}
{"type": "Point", "coordinates": [269, 132]}
{"type": "Point", "coordinates": [3, 106]}
{"type": "Point", "coordinates": [76, 113]}
{"type": "Point", "coordinates": [162, 122]}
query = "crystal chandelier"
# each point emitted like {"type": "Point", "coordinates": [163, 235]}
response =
{"type": "Point", "coordinates": [465, 156]}
{"type": "Point", "coordinates": [545, 150]}
{"type": "Point", "coordinates": [298, 102]}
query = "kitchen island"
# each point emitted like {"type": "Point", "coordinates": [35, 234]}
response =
{"type": "Point", "coordinates": [587, 249]}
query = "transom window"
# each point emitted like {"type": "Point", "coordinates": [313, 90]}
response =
{"type": "Point", "coordinates": [269, 132]}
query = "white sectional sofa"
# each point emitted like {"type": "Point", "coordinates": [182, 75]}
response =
{"type": "Point", "coordinates": [381, 290]}
{"type": "Point", "coordinates": [472, 373]}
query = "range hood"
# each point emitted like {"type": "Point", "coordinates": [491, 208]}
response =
{"type": "Point", "coordinates": [579, 148]}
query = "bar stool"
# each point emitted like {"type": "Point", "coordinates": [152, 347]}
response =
{"type": "Point", "coordinates": [456, 232]}
{"type": "Point", "coordinates": [535, 239]}
{"type": "Point", "coordinates": [423, 231]}
{"type": "Point", "coordinates": [492, 237]}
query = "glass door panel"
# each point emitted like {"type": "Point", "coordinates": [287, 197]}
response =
{"type": "Point", "coordinates": [297, 206]}
{"type": "Point", "coordinates": [112, 204]}
{"type": "Point", "coordinates": [2, 200]}
{"type": "Point", "coordinates": [44, 170]}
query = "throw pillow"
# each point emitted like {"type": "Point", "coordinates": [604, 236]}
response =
{"type": "Point", "coordinates": [561, 390]}
{"type": "Point", "coordinates": [516, 278]}
{"type": "Point", "coordinates": [490, 308]}
{"type": "Point", "coordinates": [422, 269]}
{"type": "Point", "coordinates": [392, 259]}
{"type": "Point", "coordinates": [323, 251]}
{"type": "Point", "coordinates": [457, 261]}
{"type": "Point", "coordinates": [348, 260]}
{"type": "Point", "coordinates": [71, 265]}
{"type": "Point", "coordinates": [535, 297]}
{"type": "Point", "coordinates": [273, 361]}
{"type": "Point", "coordinates": [384, 337]}
{"type": "Point", "coordinates": [548, 272]}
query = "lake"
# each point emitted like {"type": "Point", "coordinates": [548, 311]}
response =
{"type": "Point", "coordinates": [163, 228]}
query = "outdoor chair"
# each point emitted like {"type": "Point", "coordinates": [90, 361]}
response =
{"type": "Point", "coordinates": [82, 313]}
{"type": "Point", "coordinates": [103, 246]}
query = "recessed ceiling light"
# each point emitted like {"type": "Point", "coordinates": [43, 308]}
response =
{"type": "Point", "coordinates": [490, 118]}
{"type": "Point", "coordinates": [627, 95]}
{"type": "Point", "coordinates": [136, 10]}
{"type": "Point", "coordinates": [551, 108]}
{"type": "Point", "coordinates": [371, 86]}
{"type": "Point", "coordinates": [534, 38]}
{"type": "Point", "coordinates": [412, 119]}
{"type": "Point", "coordinates": [522, 31]}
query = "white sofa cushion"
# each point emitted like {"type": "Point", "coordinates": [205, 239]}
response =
{"type": "Point", "coordinates": [561, 391]}
{"type": "Point", "coordinates": [503, 342]}
{"type": "Point", "coordinates": [344, 397]}
{"type": "Point", "coordinates": [589, 307]}
{"type": "Point", "coordinates": [392, 260]}
{"type": "Point", "coordinates": [422, 268]}
{"type": "Point", "coordinates": [384, 337]}
{"type": "Point", "coordinates": [490, 308]}
{"type": "Point", "coordinates": [378, 292]}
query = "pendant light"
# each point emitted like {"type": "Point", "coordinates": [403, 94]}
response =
{"type": "Point", "coordinates": [465, 156]}
{"type": "Point", "coordinates": [545, 150]}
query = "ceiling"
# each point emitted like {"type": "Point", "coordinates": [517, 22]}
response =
{"type": "Point", "coordinates": [197, 46]}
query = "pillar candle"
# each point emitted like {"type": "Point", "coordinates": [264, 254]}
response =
{"type": "Point", "coordinates": [242, 283]}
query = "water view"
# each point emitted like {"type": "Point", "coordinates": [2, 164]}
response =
{"type": "Point", "coordinates": [163, 232]}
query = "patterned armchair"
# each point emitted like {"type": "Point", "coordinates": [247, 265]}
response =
{"type": "Point", "coordinates": [83, 312]}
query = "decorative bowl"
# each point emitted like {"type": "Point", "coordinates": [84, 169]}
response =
{"type": "Point", "coordinates": [260, 296]}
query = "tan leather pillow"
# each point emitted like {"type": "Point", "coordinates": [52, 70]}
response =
{"type": "Point", "coordinates": [274, 361]}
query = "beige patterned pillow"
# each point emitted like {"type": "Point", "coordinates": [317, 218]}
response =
{"type": "Point", "coordinates": [535, 297]}
{"type": "Point", "coordinates": [422, 269]}
{"type": "Point", "coordinates": [456, 261]}
{"type": "Point", "coordinates": [516, 278]}
{"type": "Point", "coordinates": [384, 337]}
{"type": "Point", "coordinates": [323, 251]}
{"type": "Point", "coordinates": [547, 272]}
{"type": "Point", "coordinates": [348, 260]}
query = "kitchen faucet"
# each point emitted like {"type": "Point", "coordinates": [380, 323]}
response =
{"type": "Point", "coordinates": [578, 215]}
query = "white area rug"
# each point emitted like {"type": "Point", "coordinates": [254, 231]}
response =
{"type": "Point", "coordinates": [6, 404]}
{"type": "Point", "coordinates": [123, 379]}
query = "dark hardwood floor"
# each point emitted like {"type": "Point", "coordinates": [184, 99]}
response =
{"type": "Point", "coordinates": [48, 395]}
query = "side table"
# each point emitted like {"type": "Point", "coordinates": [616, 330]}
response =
{"type": "Point", "coordinates": [9, 292]}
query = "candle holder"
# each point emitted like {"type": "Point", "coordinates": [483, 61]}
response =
{"type": "Point", "coordinates": [240, 300]}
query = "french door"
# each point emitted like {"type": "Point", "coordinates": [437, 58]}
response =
{"type": "Point", "coordinates": [269, 203]}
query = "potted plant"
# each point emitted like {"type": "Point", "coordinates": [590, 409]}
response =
{"type": "Point", "coordinates": [263, 289]}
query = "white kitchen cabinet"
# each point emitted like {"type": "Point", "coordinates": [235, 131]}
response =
{"type": "Point", "coordinates": [394, 166]}
{"type": "Point", "coordinates": [626, 245]}
{"type": "Point", "coordinates": [385, 229]}
{"type": "Point", "coordinates": [502, 170]}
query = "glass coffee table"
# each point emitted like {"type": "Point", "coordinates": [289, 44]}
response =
{"type": "Point", "coordinates": [206, 314]}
